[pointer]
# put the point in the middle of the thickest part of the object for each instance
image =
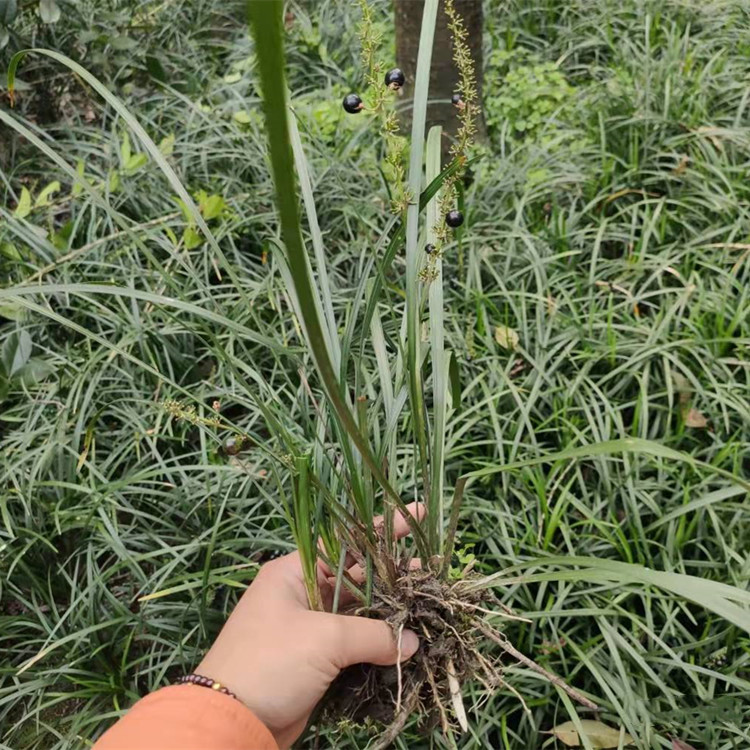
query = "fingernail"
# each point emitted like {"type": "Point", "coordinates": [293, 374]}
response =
{"type": "Point", "coordinates": [409, 644]}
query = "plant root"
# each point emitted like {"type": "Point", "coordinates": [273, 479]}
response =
{"type": "Point", "coordinates": [451, 622]}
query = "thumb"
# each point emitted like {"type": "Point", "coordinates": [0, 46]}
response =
{"type": "Point", "coordinates": [373, 641]}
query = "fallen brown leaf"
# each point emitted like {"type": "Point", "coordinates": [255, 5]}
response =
{"type": "Point", "coordinates": [682, 165]}
{"type": "Point", "coordinates": [694, 418]}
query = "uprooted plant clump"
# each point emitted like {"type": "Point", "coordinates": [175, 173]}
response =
{"type": "Point", "coordinates": [332, 503]}
{"type": "Point", "coordinates": [451, 617]}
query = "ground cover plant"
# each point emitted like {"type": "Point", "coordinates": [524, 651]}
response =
{"type": "Point", "coordinates": [598, 297]}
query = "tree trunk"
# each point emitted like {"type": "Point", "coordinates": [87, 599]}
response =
{"type": "Point", "coordinates": [443, 75]}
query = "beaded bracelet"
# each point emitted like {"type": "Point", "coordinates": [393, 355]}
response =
{"type": "Point", "coordinates": [201, 681]}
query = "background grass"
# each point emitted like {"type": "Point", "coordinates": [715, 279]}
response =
{"type": "Point", "coordinates": [608, 226]}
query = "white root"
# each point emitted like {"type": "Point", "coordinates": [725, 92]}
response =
{"type": "Point", "coordinates": [456, 698]}
{"type": "Point", "coordinates": [398, 670]}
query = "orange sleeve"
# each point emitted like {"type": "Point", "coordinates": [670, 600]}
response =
{"type": "Point", "coordinates": [187, 717]}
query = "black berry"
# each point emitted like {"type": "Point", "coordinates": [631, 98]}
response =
{"type": "Point", "coordinates": [429, 249]}
{"type": "Point", "coordinates": [454, 218]}
{"type": "Point", "coordinates": [352, 104]}
{"type": "Point", "coordinates": [456, 100]}
{"type": "Point", "coordinates": [395, 78]}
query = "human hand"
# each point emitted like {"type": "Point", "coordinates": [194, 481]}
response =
{"type": "Point", "coordinates": [279, 657]}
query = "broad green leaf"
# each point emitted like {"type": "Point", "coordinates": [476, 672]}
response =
{"type": "Point", "coordinates": [12, 310]}
{"type": "Point", "coordinates": [23, 209]}
{"type": "Point", "coordinates": [166, 144]}
{"type": "Point", "coordinates": [242, 117]}
{"type": "Point", "coordinates": [8, 11]}
{"type": "Point", "coordinates": [34, 371]}
{"type": "Point", "coordinates": [9, 250]}
{"type": "Point", "coordinates": [156, 69]}
{"type": "Point", "coordinates": [191, 238]}
{"type": "Point", "coordinates": [15, 352]}
{"type": "Point", "coordinates": [599, 735]}
{"type": "Point", "coordinates": [136, 162]}
{"type": "Point", "coordinates": [172, 236]}
{"type": "Point", "coordinates": [80, 169]}
{"type": "Point", "coordinates": [122, 43]}
{"type": "Point", "coordinates": [184, 208]}
{"type": "Point", "coordinates": [43, 199]}
{"type": "Point", "coordinates": [61, 238]}
{"type": "Point", "coordinates": [4, 39]}
{"type": "Point", "coordinates": [49, 11]}
{"type": "Point", "coordinates": [125, 148]}
{"type": "Point", "coordinates": [113, 181]}
{"type": "Point", "coordinates": [212, 207]}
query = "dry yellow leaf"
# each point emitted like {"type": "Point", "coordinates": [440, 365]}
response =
{"type": "Point", "coordinates": [682, 165]}
{"type": "Point", "coordinates": [598, 734]}
{"type": "Point", "coordinates": [694, 418]}
{"type": "Point", "coordinates": [506, 337]}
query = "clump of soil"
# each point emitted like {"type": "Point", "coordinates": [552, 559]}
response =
{"type": "Point", "coordinates": [450, 618]}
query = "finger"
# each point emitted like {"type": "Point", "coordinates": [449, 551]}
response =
{"type": "Point", "coordinates": [292, 567]}
{"type": "Point", "coordinates": [400, 529]}
{"type": "Point", "coordinates": [327, 570]}
{"type": "Point", "coordinates": [357, 572]}
{"type": "Point", "coordinates": [401, 526]}
{"type": "Point", "coordinates": [359, 640]}
{"type": "Point", "coordinates": [347, 598]}
{"type": "Point", "coordinates": [282, 581]}
{"type": "Point", "coordinates": [349, 594]}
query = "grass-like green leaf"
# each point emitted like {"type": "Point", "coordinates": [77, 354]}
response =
{"type": "Point", "coordinates": [624, 445]}
{"type": "Point", "coordinates": [729, 602]}
{"type": "Point", "coordinates": [438, 355]}
{"type": "Point", "coordinates": [413, 284]}
{"type": "Point", "coordinates": [140, 133]}
{"type": "Point", "coordinates": [266, 22]}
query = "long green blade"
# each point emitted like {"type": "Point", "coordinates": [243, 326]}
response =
{"type": "Point", "coordinates": [317, 241]}
{"type": "Point", "coordinates": [437, 355]}
{"type": "Point", "coordinates": [266, 22]}
{"type": "Point", "coordinates": [729, 602]}
{"type": "Point", "coordinates": [413, 284]}
{"type": "Point", "coordinates": [142, 296]}
{"type": "Point", "coordinates": [624, 445]}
